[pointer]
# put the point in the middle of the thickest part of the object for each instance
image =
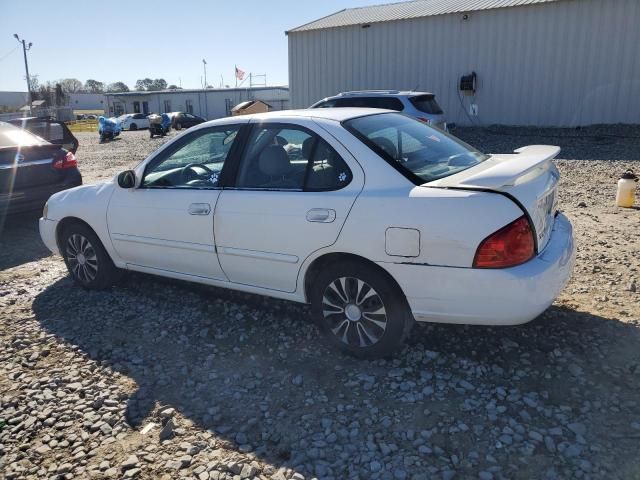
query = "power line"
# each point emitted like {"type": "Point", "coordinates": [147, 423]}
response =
{"type": "Point", "coordinates": [7, 54]}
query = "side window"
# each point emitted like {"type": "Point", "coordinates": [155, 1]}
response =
{"type": "Point", "coordinates": [327, 170]}
{"type": "Point", "coordinates": [195, 162]}
{"type": "Point", "coordinates": [327, 104]}
{"type": "Point", "coordinates": [389, 103]}
{"type": "Point", "coordinates": [291, 158]}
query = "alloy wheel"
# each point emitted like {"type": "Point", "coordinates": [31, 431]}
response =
{"type": "Point", "coordinates": [354, 312]}
{"type": "Point", "coordinates": [82, 258]}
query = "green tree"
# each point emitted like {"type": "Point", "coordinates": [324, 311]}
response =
{"type": "Point", "coordinates": [93, 86]}
{"type": "Point", "coordinates": [143, 84]}
{"type": "Point", "coordinates": [158, 84]}
{"type": "Point", "coordinates": [117, 87]}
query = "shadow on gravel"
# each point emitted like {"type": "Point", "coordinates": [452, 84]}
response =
{"type": "Point", "coordinates": [598, 142]}
{"type": "Point", "coordinates": [254, 372]}
{"type": "Point", "coordinates": [20, 240]}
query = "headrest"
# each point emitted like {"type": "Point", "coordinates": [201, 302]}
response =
{"type": "Point", "coordinates": [386, 145]}
{"type": "Point", "coordinates": [273, 161]}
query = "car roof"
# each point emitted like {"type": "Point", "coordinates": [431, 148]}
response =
{"type": "Point", "coordinates": [380, 93]}
{"type": "Point", "coordinates": [337, 114]}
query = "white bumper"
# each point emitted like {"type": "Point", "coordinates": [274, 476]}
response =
{"type": "Point", "coordinates": [48, 234]}
{"type": "Point", "coordinates": [507, 296]}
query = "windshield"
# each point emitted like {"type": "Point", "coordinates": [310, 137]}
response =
{"type": "Point", "coordinates": [421, 152]}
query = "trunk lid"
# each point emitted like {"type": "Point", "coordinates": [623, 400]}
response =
{"type": "Point", "coordinates": [528, 176]}
{"type": "Point", "coordinates": [28, 167]}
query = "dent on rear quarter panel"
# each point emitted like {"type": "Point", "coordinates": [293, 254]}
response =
{"type": "Point", "coordinates": [451, 223]}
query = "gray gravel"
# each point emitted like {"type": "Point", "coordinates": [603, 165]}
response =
{"type": "Point", "coordinates": [157, 379]}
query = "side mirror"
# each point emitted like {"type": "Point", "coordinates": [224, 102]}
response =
{"type": "Point", "coordinates": [127, 179]}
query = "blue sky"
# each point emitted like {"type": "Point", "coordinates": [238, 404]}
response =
{"type": "Point", "coordinates": [161, 39]}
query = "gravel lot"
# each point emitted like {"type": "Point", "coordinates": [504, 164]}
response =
{"type": "Point", "coordinates": [158, 379]}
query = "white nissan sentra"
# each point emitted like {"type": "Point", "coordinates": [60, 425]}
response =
{"type": "Point", "coordinates": [375, 219]}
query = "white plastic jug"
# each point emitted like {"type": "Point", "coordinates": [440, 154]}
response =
{"type": "Point", "coordinates": [625, 196]}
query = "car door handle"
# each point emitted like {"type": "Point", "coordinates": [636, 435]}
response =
{"type": "Point", "coordinates": [323, 215]}
{"type": "Point", "coordinates": [199, 209]}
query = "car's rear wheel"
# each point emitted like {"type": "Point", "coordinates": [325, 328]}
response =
{"type": "Point", "coordinates": [133, 127]}
{"type": "Point", "coordinates": [178, 126]}
{"type": "Point", "coordinates": [87, 261]}
{"type": "Point", "coordinates": [360, 310]}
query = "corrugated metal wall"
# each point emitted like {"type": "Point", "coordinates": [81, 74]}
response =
{"type": "Point", "coordinates": [574, 62]}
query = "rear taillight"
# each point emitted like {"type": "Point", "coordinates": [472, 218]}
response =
{"type": "Point", "coordinates": [509, 246]}
{"type": "Point", "coordinates": [67, 160]}
{"type": "Point", "coordinates": [424, 120]}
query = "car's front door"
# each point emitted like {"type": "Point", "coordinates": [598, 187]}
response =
{"type": "Point", "coordinates": [292, 193]}
{"type": "Point", "coordinates": [166, 223]}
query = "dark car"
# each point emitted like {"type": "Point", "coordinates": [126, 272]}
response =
{"type": "Point", "coordinates": [186, 120]}
{"type": "Point", "coordinates": [51, 130]}
{"type": "Point", "coordinates": [32, 169]}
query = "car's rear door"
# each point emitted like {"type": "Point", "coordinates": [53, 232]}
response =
{"type": "Point", "coordinates": [293, 189]}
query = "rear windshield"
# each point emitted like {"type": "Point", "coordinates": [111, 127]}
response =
{"type": "Point", "coordinates": [47, 130]}
{"type": "Point", "coordinates": [426, 104]}
{"type": "Point", "coordinates": [421, 153]}
{"type": "Point", "coordinates": [11, 136]}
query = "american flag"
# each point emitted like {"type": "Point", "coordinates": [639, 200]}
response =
{"type": "Point", "coordinates": [239, 74]}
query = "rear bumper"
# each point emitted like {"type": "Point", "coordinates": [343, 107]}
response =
{"type": "Point", "coordinates": [35, 198]}
{"type": "Point", "coordinates": [508, 296]}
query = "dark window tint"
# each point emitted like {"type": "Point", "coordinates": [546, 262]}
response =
{"type": "Point", "coordinates": [47, 130]}
{"type": "Point", "coordinates": [389, 103]}
{"type": "Point", "coordinates": [326, 104]}
{"type": "Point", "coordinates": [290, 158]}
{"type": "Point", "coordinates": [139, 116]}
{"type": "Point", "coordinates": [422, 153]}
{"type": "Point", "coordinates": [426, 104]}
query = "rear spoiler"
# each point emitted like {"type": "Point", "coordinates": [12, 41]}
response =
{"type": "Point", "coordinates": [507, 172]}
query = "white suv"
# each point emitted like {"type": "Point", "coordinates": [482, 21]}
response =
{"type": "Point", "coordinates": [420, 105]}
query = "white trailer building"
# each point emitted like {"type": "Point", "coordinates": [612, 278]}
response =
{"type": "Point", "coordinates": [537, 62]}
{"type": "Point", "coordinates": [207, 103]}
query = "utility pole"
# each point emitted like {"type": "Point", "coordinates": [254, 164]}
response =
{"type": "Point", "coordinates": [204, 64]}
{"type": "Point", "coordinates": [26, 67]}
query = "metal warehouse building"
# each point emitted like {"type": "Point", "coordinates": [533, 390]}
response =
{"type": "Point", "coordinates": [207, 103]}
{"type": "Point", "coordinates": [538, 62]}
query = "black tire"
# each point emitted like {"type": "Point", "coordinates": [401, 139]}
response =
{"type": "Point", "coordinates": [86, 259]}
{"type": "Point", "coordinates": [361, 291]}
{"type": "Point", "coordinates": [178, 126]}
{"type": "Point", "coordinates": [133, 127]}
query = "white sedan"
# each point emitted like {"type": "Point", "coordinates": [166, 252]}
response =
{"type": "Point", "coordinates": [375, 219]}
{"type": "Point", "coordinates": [133, 121]}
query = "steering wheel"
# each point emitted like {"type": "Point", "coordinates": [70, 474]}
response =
{"type": "Point", "coordinates": [458, 160]}
{"type": "Point", "coordinates": [188, 171]}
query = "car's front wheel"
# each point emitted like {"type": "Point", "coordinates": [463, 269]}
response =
{"type": "Point", "coordinates": [360, 310]}
{"type": "Point", "coordinates": [178, 126]}
{"type": "Point", "coordinates": [133, 127]}
{"type": "Point", "coordinates": [87, 261]}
